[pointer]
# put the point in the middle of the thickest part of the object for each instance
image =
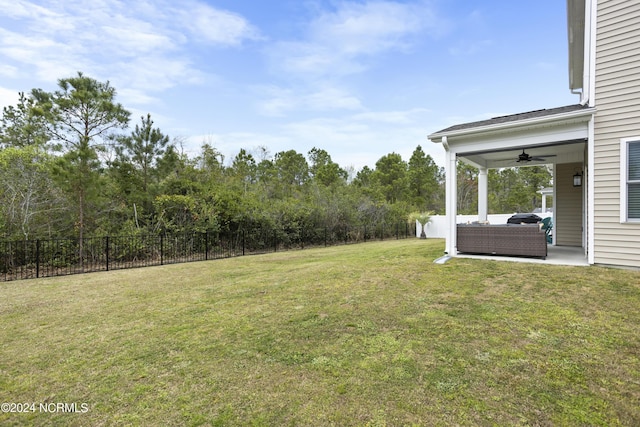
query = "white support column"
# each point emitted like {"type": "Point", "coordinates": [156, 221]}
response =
{"type": "Point", "coordinates": [451, 199]}
{"type": "Point", "coordinates": [483, 194]}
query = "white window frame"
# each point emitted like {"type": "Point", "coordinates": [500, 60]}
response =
{"type": "Point", "coordinates": [624, 167]}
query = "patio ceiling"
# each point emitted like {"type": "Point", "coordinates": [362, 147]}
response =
{"type": "Point", "coordinates": [556, 135]}
{"type": "Point", "coordinates": [564, 152]}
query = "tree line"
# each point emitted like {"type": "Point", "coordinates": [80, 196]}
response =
{"type": "Point", "coordinates": [72, 165]}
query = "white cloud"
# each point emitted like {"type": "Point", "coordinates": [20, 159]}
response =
{"type": "Point", "coordinates": [331, 98]}
{"type": "Point", "coordinates": [8, 97]}
{"type": "Point", "coordinates": [216, 26]}
{"type": "Point", "coordinates": [277, 102]}
{"type": "Point", "coordinates": [22, 47]}
{"type": "Point", "coordinates": [146, 44]}
{"type": "Point", "coordinates": [136, 97]}
{"type": "Point", "coordinates": [155, 73]}
{"type": "Point", "coordinates": [314, 59]}
{"type": "Point", "coordinates": [24, 9]}
{"type": "Point", "coordinates": [280, 101]}
{"type": "Point", "coordinates": [131, 41]}
{"type": "Point", "coordinates": [43, 56]}
{"type": "Point", "coordinates": [338, 42]}
{"type": "Point", "coordinates": [393, 117]}
{"type": "Point", "coordinates": [8, 71]}
{"type": "Point", "coordinates": [369, 28]}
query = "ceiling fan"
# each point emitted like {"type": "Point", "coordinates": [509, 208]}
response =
{"type": "Point", "coordinates": [524, 157]}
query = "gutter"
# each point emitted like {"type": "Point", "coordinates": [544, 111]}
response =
{"type": "Point", "coordinates": [436, 137]}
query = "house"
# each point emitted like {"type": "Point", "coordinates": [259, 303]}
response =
{"type": "Point", "coordinates": [596, 141]}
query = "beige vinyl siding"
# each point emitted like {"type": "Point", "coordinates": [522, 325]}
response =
{"type": "Point", "coordinates": [617, 99]}
{"type": "Point", "coordinates": [568, 210]}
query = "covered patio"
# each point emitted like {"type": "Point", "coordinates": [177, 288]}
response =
{"type": "Point", "coordinates": [559, 136]}
{"type": "Point", "coordinates": [556, 255]}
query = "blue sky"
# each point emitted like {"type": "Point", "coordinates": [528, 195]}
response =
{"type": "Point", "coordinates": [359, 79]}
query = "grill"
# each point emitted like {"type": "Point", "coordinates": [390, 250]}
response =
{"type": "Point", "coordinates": [526, 218]}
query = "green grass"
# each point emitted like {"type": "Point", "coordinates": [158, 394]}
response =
{"type": "Point", "coordinates": [371, 334]}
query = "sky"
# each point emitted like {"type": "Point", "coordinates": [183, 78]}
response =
{"type": "Point", "coordinates": [359, 79]}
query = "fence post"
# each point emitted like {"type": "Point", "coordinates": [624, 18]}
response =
{"type": "Point", "coordinates": [206, 245]}
{"type": "Point", "coordinates": [37, 258]}
{"type": "Point", "coordinates": [302, 236]}
{"type": "Point", "coordinates": [161, 249]}
{"type": "Point", "coordinates": [325, 236]}
{"type": "Point", "coordinates": [106, 251]}
{"type": "Point", "coordinates": [243, 242]}
{"type": "Point", "coordinates": [382, 232]}
{"type": "Point", "coordinates": [275, 241]}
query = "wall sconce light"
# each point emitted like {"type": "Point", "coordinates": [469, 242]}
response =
{"type": "Point", "coordinates": [577, 179]}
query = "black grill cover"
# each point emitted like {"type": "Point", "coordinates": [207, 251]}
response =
{"type": "Point", "coordinates": [527, 218]}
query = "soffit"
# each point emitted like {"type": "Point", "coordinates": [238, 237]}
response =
{"type": "Point", "coordinates": [549, 154]}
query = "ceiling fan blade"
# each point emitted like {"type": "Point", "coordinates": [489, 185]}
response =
{"type": "Point", "coordinates": [542, 157]}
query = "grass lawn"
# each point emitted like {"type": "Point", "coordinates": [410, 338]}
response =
{"type": "Point", "coordinates": [370, 334]}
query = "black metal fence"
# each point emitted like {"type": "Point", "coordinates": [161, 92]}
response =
{"type": "Point", "coordinates": [28, 259]}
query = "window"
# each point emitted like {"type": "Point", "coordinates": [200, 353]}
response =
{"type": "Point", "coordinates": [630, 180]}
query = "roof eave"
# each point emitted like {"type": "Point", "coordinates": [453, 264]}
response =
{"type": "Point", "coordinates": [497, 127]}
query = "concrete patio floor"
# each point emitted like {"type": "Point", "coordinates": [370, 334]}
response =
{"type": "Point", "coordinates": [556, 255]}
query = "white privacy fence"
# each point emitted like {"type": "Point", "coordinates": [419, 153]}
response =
{"type": "Point", "coordinates": [438, 226]}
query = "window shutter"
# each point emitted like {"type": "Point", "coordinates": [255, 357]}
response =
{"type": "Point", "coordinates": [634, 201]}
{"type": "Point", "coordinates": [633, 180]}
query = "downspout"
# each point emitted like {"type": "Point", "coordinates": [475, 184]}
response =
{"type": "Point", "coordinates": [590, 42]}
{"type": "Point", "coordinates": [586, 91]}
{"type": "Point", "coordinates": [578, 91]}
{"type": "Point", "coordinates": [592, 13]}
{"type": "Point", "coordinates": [589, 54]}
{"type": "Point", "coordinates": [591, 210]}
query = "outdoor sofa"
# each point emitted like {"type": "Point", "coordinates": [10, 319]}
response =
{"type": "Point", "coordinates": [502, 239]}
